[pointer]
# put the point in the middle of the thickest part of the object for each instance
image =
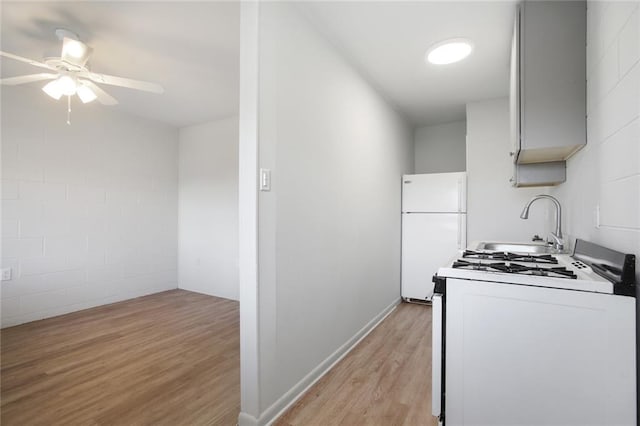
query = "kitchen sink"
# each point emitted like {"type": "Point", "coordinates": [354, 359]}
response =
{"type": "Point", "coordinates": [517, 247]}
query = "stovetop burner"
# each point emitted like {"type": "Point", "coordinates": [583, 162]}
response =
{"type": "Point", "coordinates": [499, 255]}
{"type": "Point", "coordinates": [478, 266]}
{"type": "Point", "coordinates": [539, 258]}
{"type": "Point", "coordinates": [515, 268]}
{"type": "Point", "coordinates": [493, 255]}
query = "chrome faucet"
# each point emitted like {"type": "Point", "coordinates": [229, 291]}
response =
{"type": "Point", "coordinates": [558, 242]}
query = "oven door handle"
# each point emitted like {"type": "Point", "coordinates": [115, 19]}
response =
{"type": "Point", "coordinates": [436, 356]}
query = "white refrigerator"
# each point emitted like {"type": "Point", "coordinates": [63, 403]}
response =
{"type": "Point", "coordinates": [434, 228]}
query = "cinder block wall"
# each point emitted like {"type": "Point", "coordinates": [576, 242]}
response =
{"type": "Point", "coordinates": [89, 211]}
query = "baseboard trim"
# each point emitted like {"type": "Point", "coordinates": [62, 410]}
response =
{"type": "Point", "coordinates": [207, 293]}
{"type": "Point", "coordinates": [278, 408]}
{"type": "Point", "coordinates": [87, 304]}
{"type": "Point", "coordinates": [245, 419]}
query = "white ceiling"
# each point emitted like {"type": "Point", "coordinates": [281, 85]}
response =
{"type": "Point", "coordinates": [387, 42]}
{"type": "Point", "coordinates": [190, 48]}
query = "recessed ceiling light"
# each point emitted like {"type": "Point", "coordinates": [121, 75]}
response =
{"type": "Point", "coordinates": [449, 51]}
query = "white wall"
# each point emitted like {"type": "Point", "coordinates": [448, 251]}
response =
{"type": "Point", "coordinates": [493, 205]}
{"type": "Point", "coordinates": [208, 209]}
{"type": "Point", "coordinates": [606, 173]}
{"type": "Point", "coordinates": [329, 230]}
{"type": "Point", "coordinates": [248, 131]}
{"type": "Point", "coordinates": [604, 177]}
{"type": "Point", "coordinates": [89, 211]}
{"type": "Point", "coordinates": [440, 148]}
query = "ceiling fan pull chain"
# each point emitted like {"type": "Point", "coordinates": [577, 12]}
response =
{"type": "Point", "coordinates": [69, 110]}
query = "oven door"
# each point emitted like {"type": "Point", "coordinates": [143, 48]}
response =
{"type": "Point", "coordinates": [437, 357]}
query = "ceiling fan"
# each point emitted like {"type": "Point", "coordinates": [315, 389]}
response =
{"type": "Point", "coordinates": [70, 74]}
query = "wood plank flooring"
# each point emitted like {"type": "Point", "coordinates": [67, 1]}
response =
{"type": "Point", "coordinates": [385, 380]}
{"type": "Point", "coordinates": [171, 358]}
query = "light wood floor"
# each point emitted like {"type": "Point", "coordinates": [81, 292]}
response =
{"type": "Point", "coordinates": [385, 380]}
{"type": "Point", "coordinates": [171, 358]}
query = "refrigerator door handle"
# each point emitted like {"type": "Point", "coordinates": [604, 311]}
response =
{"type": "Point", "coordinates": [460, 232]}
{"type": "Point", "coordinates": [436, 356]}
{"type": "Point", "coordinates": [459, 196]}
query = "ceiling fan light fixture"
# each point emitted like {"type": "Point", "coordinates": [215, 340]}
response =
{"type": "Point", "coordinates": [449, 51]}
{"type": "Point", "coordinates": [85, 94]}
{"type": "Point", "coordinates": [67, 84]}
{"type": "Point", "coordinates": [70, 75]}
{"type": "Point", "coordinates": [63, 85]}
{"type": "Point", "coordinates": [53, 89]}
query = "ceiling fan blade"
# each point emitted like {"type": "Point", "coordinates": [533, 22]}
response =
{"type": "Point", "coordinates": [27, 60]}
{"type": "Point", "coordinates": [125, 82]}
{"type": "Point", "coordinates": [22, 79]}
{"type": "Point", "coordinates": [103, 97]}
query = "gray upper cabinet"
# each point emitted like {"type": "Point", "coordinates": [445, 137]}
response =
{"type": "Point", "coordinates": [548, 82]}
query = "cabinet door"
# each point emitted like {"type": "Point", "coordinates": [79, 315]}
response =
{"type": "Point", "coordinates": [514, 88]}
{"type": "Point", "coordinates": [536, 174]}
{"type": "Point", "coordinates": [552, 80]}
{"type": "Point", "coordinates": [522, 355]}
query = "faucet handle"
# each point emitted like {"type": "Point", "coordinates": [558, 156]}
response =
{"type": "Point", "coordinates": [556, 241]}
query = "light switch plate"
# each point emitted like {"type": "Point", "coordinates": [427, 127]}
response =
{"type": "Point", "coordinates": [265, 180]}
{"type": "Point", "coordinates": [6, 274]}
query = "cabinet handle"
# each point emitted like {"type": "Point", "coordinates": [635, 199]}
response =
{"type": "Point", "coordinates": [511, 154]}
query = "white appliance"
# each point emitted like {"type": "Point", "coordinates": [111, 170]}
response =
{"type": "Point", "coordinates": [535, 339]}
{"type": "Point", "coordinates": [434, 228]}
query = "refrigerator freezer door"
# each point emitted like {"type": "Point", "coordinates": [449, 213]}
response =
{"type": "Point", "coordinates": [429, 241]}
{"type": "Point", "coordinates": [434, 193]}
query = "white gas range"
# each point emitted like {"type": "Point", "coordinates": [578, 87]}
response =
{"type": "Point", "coordinates": [535, 339]}
{"type": "Point", "coordinates": [557, 270]}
